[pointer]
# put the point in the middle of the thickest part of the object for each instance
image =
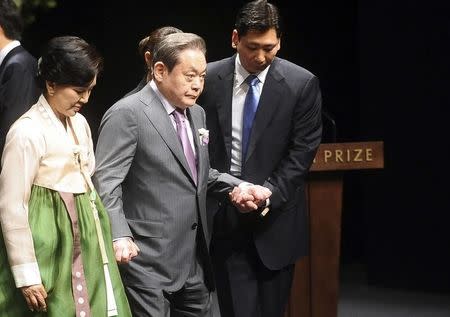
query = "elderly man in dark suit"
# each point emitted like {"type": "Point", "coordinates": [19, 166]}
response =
{"type": "Point", "coordinates": [18, 86]}
{"type": "Point", "coordinates": [264, 118]}
{"type": "Point", "coordinates": [153, 175]}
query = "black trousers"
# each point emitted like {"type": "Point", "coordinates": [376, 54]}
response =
{"type": "Point", "coordinates": [245, 287]}
{"type": "Point", "coordinates": [192, 300]}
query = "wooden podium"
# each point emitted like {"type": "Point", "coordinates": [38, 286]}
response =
{"type": "Point", "coordinates": [315, 289]}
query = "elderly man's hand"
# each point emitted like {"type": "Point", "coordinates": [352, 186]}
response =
{"type": "Point", "coordinates": [125, 249]}
{"type": "Point", "coordinates": [248, 197]}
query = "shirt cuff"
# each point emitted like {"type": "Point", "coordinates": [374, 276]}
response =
{"type": "Point", "coordinates": [26, 274]}
{"type": "Point", "coordinates": [123, 238]}
{"type": "Point", "coordinates": [244, 184]}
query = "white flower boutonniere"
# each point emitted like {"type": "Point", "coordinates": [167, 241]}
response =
{"type": "Point", "coordinates": [203, 135]}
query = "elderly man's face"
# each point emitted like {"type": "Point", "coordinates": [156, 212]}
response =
{"type": "Point", "coordinates": [184, 83]}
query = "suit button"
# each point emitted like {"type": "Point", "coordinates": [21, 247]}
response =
{"type": "Point", "coordinates": [194, 226]}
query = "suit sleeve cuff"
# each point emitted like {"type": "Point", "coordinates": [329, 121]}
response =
{"type": "Point", "coordinates": [276, 199]}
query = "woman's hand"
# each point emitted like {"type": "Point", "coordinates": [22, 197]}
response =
{"type": "Point", "coordinates": [35, 296]}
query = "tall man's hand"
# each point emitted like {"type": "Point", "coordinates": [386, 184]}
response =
{"type": "Point", "coordinates": [248, 197]}
{"type": "Point", "coordinates": [125, 249]}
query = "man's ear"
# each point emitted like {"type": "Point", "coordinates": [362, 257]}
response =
{"type": "Point", "coordinates": [234, 39]}
{"type": "Point", "coordinates": [158, 71]}
{"type": "Point", "coordinates": [2, 33]}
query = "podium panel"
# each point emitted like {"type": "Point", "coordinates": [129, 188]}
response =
{"type": "Point", "coordinates": [315, 289]}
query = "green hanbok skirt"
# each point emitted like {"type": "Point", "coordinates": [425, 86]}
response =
{"type": "Point", "coordinates": [51, 228]}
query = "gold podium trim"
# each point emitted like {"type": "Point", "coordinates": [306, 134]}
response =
{"type": "Point", "coordinates": [348, 156]}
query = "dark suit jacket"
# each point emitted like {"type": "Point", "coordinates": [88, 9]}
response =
{"type": "Point", "coordinates": [18, 88]}
{"type": "Point", "coordinates": [146, 185]}
{"type": "Point", "coordinates": [141, 85]}
{"type": "Point", "coordinates": [284, 139]}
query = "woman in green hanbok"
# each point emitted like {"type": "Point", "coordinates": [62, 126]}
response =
{"type": "Point", "coordinates": [56, 256]}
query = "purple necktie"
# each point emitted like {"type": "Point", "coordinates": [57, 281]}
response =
{"type": "Point", "coordinates": [183, 136]}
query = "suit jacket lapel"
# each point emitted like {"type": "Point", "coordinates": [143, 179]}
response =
{"type": "Point", "coordinates": [196, 123]}
{"type": "Point", "coordinates": [224, 106]}
{"type": "Point", "coordinates": [8, 56]}
{"type": "Point", "coordinates": [268, 103]}
{"type": "Point", "coordinates": [159, 118]}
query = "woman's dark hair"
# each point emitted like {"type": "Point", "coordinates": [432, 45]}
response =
{"type": "Point", "coordinates": [69, 60]}
{"type": "Point", "coordinates": [148, 43]}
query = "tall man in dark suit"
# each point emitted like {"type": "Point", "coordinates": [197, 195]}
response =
{"type": "Point", "coordinates": [264, 129]}
{"type": "Point", "coordinates": [18, 70]}
{"type": "Point", "coordinates": [153, 175]}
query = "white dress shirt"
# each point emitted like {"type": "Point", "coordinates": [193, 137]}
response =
{"type": "Point", "coordinates": [240, 89]}
{"type": "Point", "coordinates": [170, 109]}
